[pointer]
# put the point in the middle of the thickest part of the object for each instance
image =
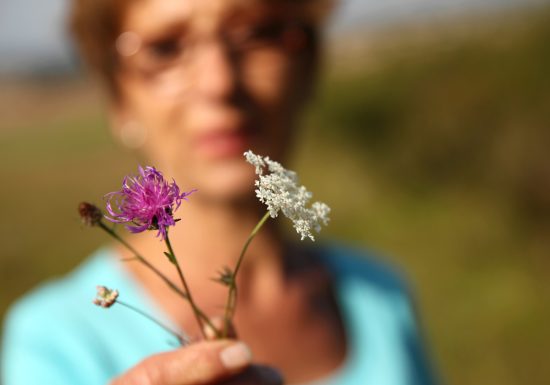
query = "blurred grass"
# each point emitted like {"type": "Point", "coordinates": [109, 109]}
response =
{"type": "Point", "coordinates": [47, 169]}
{"type": "Point", "coordinates": [434, 154]}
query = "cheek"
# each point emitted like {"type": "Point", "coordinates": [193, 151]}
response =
{"type": "Point", "coordinates": [267, 77]}
{"type": "Point", "coordinates": [162, 119]}
{"type": "Point", "coordinates": [155, 108]}
{"type": "Point", "coordinates": [276, 83]}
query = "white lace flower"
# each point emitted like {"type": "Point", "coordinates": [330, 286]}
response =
{"type": "Point", "coordinates": [278, 188]}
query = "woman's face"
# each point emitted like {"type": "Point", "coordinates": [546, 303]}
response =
{"type": "Point", "coordinates": [208, 80]}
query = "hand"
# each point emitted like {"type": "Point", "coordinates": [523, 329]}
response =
{"type": "Point", "coordinates": [220, 362]}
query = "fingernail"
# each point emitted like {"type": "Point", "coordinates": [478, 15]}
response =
{"type": "Point", "coordinates": [270, 375]}
{"type": "Point", "coordinates": [236, 356]}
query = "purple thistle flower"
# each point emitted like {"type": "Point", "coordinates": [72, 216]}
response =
{"type": "Point", "coordinates": [146, 202]}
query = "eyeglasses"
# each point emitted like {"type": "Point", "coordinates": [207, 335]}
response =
{"type": "Point", "coordinates": [158, 55]}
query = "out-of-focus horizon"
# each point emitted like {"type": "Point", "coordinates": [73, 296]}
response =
{"type": "Point", "coordinates": [36, 44]}
{"type": "Point", "coordinates": [431, 124]}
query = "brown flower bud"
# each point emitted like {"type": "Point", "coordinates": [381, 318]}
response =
{"type": "Point", "coordinates": [90, 214]}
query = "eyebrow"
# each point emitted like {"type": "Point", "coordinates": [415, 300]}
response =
{"type": "Point", "coordinates": [172, 28]}
{"type": "Point", "coordinates": [264, 9]}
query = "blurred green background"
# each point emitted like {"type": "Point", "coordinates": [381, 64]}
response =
{"type": "Point", "coordinates": [433, 142]}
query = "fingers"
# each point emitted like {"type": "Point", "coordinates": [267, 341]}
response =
{"type": "Point", "coordinates": [256, 375]}
{"type": "Point", "coordinates": [200, 363]}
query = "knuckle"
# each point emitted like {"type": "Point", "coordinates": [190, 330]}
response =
{"type": "Point", "coordinates": [150, 375]}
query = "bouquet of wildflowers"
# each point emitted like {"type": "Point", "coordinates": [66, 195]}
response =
{"type": "Point", "coordinates": [148, 202]}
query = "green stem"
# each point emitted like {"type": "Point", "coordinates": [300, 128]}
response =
{"type": "Point", "coordinates": [182, 339]}
{"type": "Point", "coordinates": [199, 315]}
{"type": "Point", "coordinates": [143, 260]}
{"type": "Point", "coordinates": [232, 294]}
{"type": "Point", "coordinates": [148, 264]}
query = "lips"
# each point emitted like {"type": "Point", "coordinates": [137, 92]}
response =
{"type": "Point", "coordinates": [220, 131]}
{"type": "Point", "coordinates": [222, 143]}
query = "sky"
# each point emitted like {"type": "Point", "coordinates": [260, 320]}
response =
{"type": "Point", "coordinates": [32, 32]}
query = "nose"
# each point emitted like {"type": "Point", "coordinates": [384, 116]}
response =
{"type": "Point", "coordinates": [214, 76]}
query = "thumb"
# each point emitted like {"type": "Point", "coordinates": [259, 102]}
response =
{"type": "Point", "coordinates": [200, 363]}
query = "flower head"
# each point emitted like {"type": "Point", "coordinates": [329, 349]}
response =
{"type": "Point", "coordinates": [146, 202]}
{"type": "Point", "coordinates": [90, 214]}
{"type": "Point", "coordinates": [105, 297]}
{"type": "Point", "coordinates": [278, 188]}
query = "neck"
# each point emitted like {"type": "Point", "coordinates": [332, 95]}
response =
{"type": "Point", "coordinates": [210, 237]}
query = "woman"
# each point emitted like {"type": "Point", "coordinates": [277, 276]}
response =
{"type": "Point", "coordinates": [192, 85]}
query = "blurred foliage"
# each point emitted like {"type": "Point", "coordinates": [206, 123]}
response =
{"type": "Point", "coordinates": [435, 152]}
{"type": "Point", "coordinates": [434, 149]}
{"type": "Point", "coordinates": [454, 110]}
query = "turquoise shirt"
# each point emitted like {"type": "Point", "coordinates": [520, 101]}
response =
{"type": "Point", "coordinates": [55, 336]}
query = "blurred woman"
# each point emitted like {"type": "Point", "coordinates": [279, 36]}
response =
{"type": "Point", "coordinates": [192, 84]}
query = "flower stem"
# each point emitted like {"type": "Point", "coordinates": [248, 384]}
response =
{"type": "Point", "coordinates": [199, 315]}
{"type": "Point", "coordinates": [232, 294]}
{"type": "Point", "coordinates": [183, 340]}
{"type": "Point", "coordinates": [148, 264]}
{"type": "Point", "coordinates": [142, 260]}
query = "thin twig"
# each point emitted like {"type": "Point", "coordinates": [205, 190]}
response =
{"type": "Point", "coordinates": [199, 315]}
{"type": "Point", "coordinates": [184, 340]}
{"type": "Point", "coordinates": [142, 260]}
{"type": "Point", "coordinates": [231, 303]}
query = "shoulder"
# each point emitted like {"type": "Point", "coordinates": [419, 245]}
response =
{"type": "Point", "coordinates": [372, 289]}
{"type": "Point", "coordinates": [360, 266]}
{"type": "Point", "coordinates": [46, 331]}
{"type": "Point", "coordinates": [64, 300]}
{"type": "Point", "coordinates": [379, 312]}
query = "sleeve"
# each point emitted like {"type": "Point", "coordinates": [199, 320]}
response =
{"type": "Point", "coordinates": [42, 346]}
{"type": "Point", "coordinates": [383, 320]}
{"type": "Point", "coordinates": [421, 367]}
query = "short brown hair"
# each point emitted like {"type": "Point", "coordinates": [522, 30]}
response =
{"type": "Point", "coordinates": [95, 25]}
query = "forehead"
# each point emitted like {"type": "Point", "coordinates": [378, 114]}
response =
{"type": "Point", "coordinates": [155, 15]}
